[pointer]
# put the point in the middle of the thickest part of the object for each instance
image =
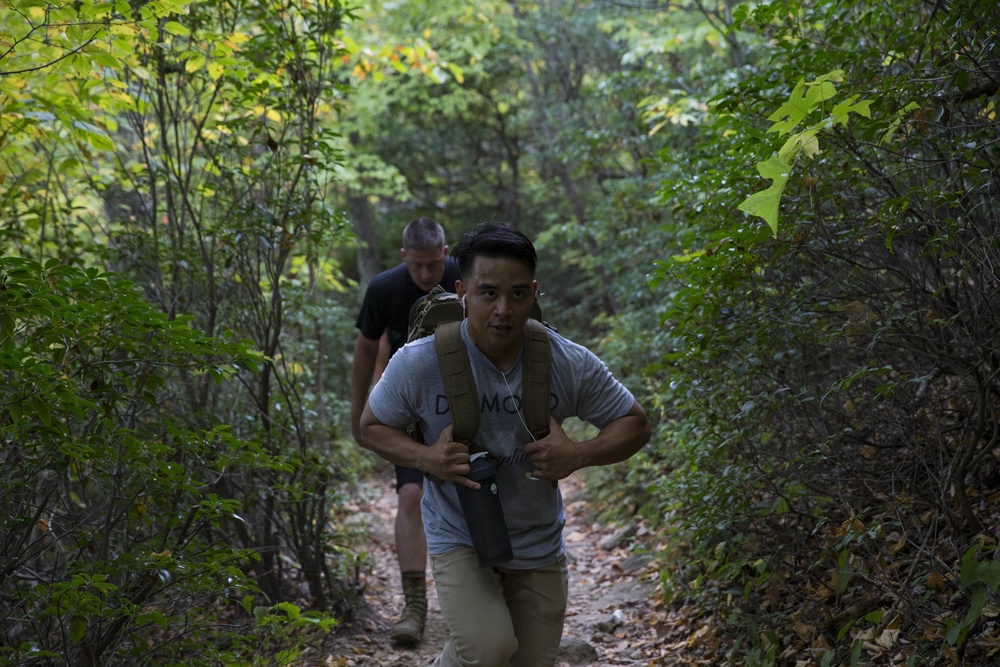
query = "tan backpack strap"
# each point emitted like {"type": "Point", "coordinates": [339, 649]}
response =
{"type": "Point", "coordinates": [459, 383]}
{"type": "Point", "coordinates": [536, 378]}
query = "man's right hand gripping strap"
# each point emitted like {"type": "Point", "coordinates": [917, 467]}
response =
{"type": "Point", "coordinates": [459, 383]}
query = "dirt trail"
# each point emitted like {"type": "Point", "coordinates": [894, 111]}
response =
{"type": "Point", "coordinates": [611, 595]}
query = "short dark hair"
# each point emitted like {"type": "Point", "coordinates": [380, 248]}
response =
{"type": "Point", "coordinates": [494, 239]}
{"type": "Point", "coordinates": [423, 234]}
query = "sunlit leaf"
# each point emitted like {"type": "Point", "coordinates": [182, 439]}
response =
{"type": "Point", "coordinates": [764, 204]}
{"type": "Point", "coordinates": [175, 28]}
{"type": "Point", "coordinates": [194, 63]}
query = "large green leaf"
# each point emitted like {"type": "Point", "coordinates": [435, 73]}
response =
{"type": "Point", "coordinates": [765, 203]}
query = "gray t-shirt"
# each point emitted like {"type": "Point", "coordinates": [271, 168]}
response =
{"type": "Point", "coordinates": [411, 389]}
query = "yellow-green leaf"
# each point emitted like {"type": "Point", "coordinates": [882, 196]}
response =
{"type": "Point", "coordinates": [78, 629]}
{"type": "Point", "coordinates": [95, 137]}
{"type": "Point", "coordinates": [764, 204]}
{"type": "Point", "coordinates": [810, 144]}
{"type": "Point", "coordinates": [194, 63]}
{"type": "Point", "coordinates": [175, 28]}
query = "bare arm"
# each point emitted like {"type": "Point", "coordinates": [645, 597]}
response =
{"type": "Point", "coordinates": [382, 360]}
{"type": "Point", "coordinates": [362, 369]}
{"type": "Point", "coordinates": [556, 456]}
{"type": "Point", "coordinates": [446, 459]}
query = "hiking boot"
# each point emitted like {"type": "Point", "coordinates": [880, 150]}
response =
{"type": "Point", "coordinates": [409, 629]}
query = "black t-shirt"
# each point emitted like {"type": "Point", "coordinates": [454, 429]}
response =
{"type": "Point", "coordinates": [388, 300]}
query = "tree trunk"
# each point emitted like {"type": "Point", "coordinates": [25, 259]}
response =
{"type": "Point", "coordinates": [369, 262]}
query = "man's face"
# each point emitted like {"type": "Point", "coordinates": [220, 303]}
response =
{"type": "Point", "coordinates": [499, 293]}
{"type": "Point", "coordinates": [426, 266]}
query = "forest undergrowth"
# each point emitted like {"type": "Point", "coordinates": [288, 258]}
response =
{"type": "Point", "coordinates": [619, 613]}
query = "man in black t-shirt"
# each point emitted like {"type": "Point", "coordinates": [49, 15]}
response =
{"type": "Point", "coordinates": [386, 310]}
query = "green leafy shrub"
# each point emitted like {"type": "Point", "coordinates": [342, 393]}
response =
{"type": "Point", "coordinates": [827, 452]}
{"type": "Point", "coordinates": [111, 529]}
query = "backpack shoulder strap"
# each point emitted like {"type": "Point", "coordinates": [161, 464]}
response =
{"type": "Point", "coordinates": [536, 378]}
{"type": "Point", "coordinates": [459, 383]}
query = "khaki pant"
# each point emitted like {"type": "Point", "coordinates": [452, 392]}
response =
{"type": "Point", "coordinates": [498, 617]}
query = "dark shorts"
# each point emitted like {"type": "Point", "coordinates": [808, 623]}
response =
{"type": "Point", "coordinates": [407, 475]}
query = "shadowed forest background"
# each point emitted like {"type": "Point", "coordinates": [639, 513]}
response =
{"type": "Point", "coordinates": [776, 222]}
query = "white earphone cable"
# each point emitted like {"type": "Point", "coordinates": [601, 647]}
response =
{"type": "Point", "coordinates": [516, 404]}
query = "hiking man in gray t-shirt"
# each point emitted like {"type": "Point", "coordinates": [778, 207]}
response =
{"type": "Point", "coordinates": [511, 614]}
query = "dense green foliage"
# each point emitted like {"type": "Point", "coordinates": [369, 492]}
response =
{"type": "Point", "coordinates": [154, 469]}
{"type": "Point", "coordinates": [108, 513]}
{"type": "Point", "coordinates": [775, 221]}
{"type": "Point", "coordinates": [834, 405]}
